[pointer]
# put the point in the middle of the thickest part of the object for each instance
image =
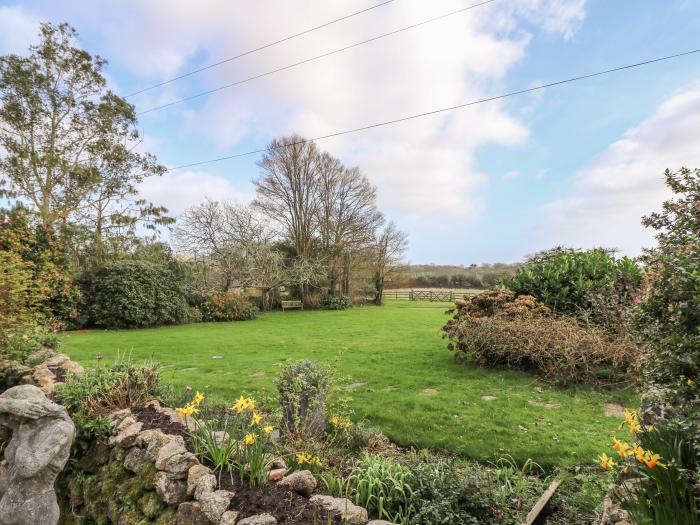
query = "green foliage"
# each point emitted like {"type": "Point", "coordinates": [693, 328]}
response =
{"type": "Point", "coordinates": [224, 306]}
{"type": "Point", "coordinates": [560, 350]}
{"type": "Point", "coordinates": [88, 430]}
{"type": "Point", "coordinates": [303, 387]}
{"type": "Point", "coordinates": [336, 302]}
{"type": "Point", "coordinates": [564, 279]}
{"type": "Point", "coordinates": [34, 261]}
{"type": "Point", "coordinates": [670, 316]}
{"type": "Point", "coordinates": [134, 294]}
{"type": "Point", "coordinates": [123, 384]}
{"type": "Point", "coordinates": [19, 343]}
{"type": "Point", "coordinates": [384, 488]}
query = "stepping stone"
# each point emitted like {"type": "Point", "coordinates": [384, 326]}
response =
{"type": "Point", "coordinates": [613, 410]}
{"type": "Point", "coordinates": [542, 404]}
{"type": "Point", "coordinates": [257, 374]}
{"type": "Point", "coordinates": [217, 357]}
{"type": "Point", "coordinates": [389, 388]}
{"type": "Point", "coordinates": [488, 398]}
{"type": "Point", "coordinates": [354, 385]}
{"type": "Point", "coordinates": [429, 392]}
{"type": "Point", "coordinates": [188, 369]}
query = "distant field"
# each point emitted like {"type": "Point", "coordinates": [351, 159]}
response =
{"type": "Point", "coordinates": [396, 368]}
{"type": "Point", "coordinates": [469, 291]}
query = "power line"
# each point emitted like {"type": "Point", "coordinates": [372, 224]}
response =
{"type": "Point", "coordinates": [255, 50]}
{"type": "Point", "coordinates": [449, 108]}
{"type": "Point", "coordinates": [312, 59]}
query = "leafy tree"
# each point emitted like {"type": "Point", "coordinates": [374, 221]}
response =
{"type": "Point", "coordinates": [386, 255]}
{"type": "Point", "coordinates": [68, 142]}
{"type": "Point", "coordinates": [670, 316]}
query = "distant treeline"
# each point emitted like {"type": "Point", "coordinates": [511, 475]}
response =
{"type": "Point", "coordinates": [451, 276]}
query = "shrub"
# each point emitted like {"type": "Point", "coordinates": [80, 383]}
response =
{"type": "Point", "coordinates": [227, 306]}
{"type": "Point", "coordinates": [563, 279]}
{"type": "Point", "coordinates": [560, 350]}
{"type": "Point", "coordinates": [103, 389]}
{"type": "Point", "coordinates": [336, 302]}
{"type": "Point", "coordinates": [303, 387]}
{"type": "Point", "coordinates": [670, 315]}
{"type": "Point", "coordinates": [501, 303]}
{"type": "Point", "coordinates": [134, 294]}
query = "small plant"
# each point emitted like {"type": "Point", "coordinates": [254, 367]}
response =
{"type": "Point", "coordinates": [227, 306]}
{"type": "Point", "coordinates": [336, 484]}
{"type": "Point", "coordinates": [661, 461]}
{"type": "Point", "coordinates": [384, 488]}
{"type": "Point", "coordinates": [305, 461]}
{"type": "Point", "coordinates": [239, 440]}
{"type": "Point", "coordinates": [303, 387]}
{"type": "Point", "coordinates": [336, 302]}
{"type": "Point", "coordinates": [102, 389]}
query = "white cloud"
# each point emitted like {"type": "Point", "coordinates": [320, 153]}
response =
{"type": "Point", "coordinates": [510, 175]}
{"type": "Point", "coordinates": [18, 29]}
{"type": "Point", "coordinates": [179, 190]}
{"type": "Point", "coordinates": [625, 181]}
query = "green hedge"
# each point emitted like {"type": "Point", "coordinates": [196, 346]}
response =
{"type": "Point", "coordinates": [134, 294]}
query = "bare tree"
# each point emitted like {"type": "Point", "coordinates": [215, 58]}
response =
{"type": "Point", "coordinates": [387, 254]}
{"type": "Point", "coordinates": [223, 233]}
{"type": "Point", "coordinates": [287, 191]}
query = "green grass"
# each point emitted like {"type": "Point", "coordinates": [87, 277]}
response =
{"type": "Point", "coordinates": [398, 353]}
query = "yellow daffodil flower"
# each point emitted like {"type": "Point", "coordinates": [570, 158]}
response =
{"type": "Point", "coordinates": [249, 439]}
{"type": "Point", "coordinates": [605, 461]}
{"type": "Point", "coordinates": [198, 398]}
{"type": "Point", "coordinates": [255, 420]}
{"type": "Point", "coordinates": [268, 429]}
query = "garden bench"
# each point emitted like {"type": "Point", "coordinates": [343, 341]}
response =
{"type": "Point", "coordinates": [292, 304]}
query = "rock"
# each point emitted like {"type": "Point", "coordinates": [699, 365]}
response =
{"type": "Point", "coordinates": [40, 355]}
{"type": "Point", "coordinates": [152, 440]}
{"type": "Point", "coordinates": [380, 522]}
{"type": "Point", "coordinates": [135, 460]}
{"type": "Point", "coordinates": [277, 474]}
{"type": "Point", "coordinates": [127, 436]}
{"type": "Point", "coordinates": [489, 398]}
{"type": "Point", "coordinates": [302, 482]}
{"type": "Point", "coordinates": [214, 504]}
{"type": "Point", "coordinates": [193, 476]}
{"type": "Point", "coordinates": [171, 490]}
{"type": "Point", "coordinates": [118, 416]}
{"type": "Point", "coordinates": [73, 367]}
{"type": "Point", "coordinates": [149, 504]}
{"type": "Point", "coordinates": [277, 462]}
{"type": "Point", "coordinates": [613, 410]}
{"type": "Point", "coordinates": [229, 518]}
{"type": "Point", "coordinates": [259, 519]}
{"type": "Point", "coordinates": [56, 360]}
{"type": "Point", "coordinates": [45, 378]}
{"type": "Point", "coordinates": [542, 404]}
{"type": "Point", "coordinates": [342, 507]}
{"type": "Point", "coordinates": [37, 451]}
{"type": "Point", "coordinates": [179, 464]}
{"type": "Point", "coordinates": [174, 446]}
{"type": "Point", "coordinates": [205, 485]}
{"type": "Point", "coordinates": [429, 392]}
{"type": "Point", "coordinates": [190, 513]}
{"type": "Point", "coordinates": [220, 437]}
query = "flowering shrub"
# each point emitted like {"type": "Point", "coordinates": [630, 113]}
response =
{"type": "Point", "coordinates": [238, 441]}
{"type": "Point", "coordinates": [227, 306]}
{"type": "Point", "coordinates": [303, 387]}
{"type": "Point", "coordinates": [336, 302]}
{"type": "Point", "coordinates": [662, 463]}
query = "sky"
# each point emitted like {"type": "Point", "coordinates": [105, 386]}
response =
{"type": "Point", "coordinates": [575, 165]}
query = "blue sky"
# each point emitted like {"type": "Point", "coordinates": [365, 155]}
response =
{"type": "Point", "coordinates": [576, 165]}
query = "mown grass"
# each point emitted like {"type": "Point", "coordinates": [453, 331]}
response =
{"type": "Point", "coordinates": [411, 387]}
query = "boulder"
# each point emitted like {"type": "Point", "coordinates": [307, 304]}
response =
{"type": "Point", "coordinates": [302, 482]}
{"type": "Point", "coordinates": [190, 513]}
{"type": "Point", "coordinates": [194, 474]}
{"type": "Point", "coordinates": [229, 517]}
{"type": "Point", "coordinates": [205, 485]}
{"type": "Point", "coordinates": [214, 504]}
{"type": "Point", "coordinates": [259, 519]}
{"type": "Point", "coordinates": [179, 464]}
{"type": "Point", "coordinates": [56, 360]}
{"type": "Point", "coordinates": [44, 378]}
{"type": "Point", "coordinates": [171, 490]}
{"type": "Point", "coordinates": [72, 366]}
{"type": "Point", "coordinates": [118, 416]}
{"type": "Point", "coordinates": [174, 446]}
{"type": "Point", "coordinates": [152, 440]}
{"type": "Point", "coordinates": [342, 507]}
{"type": "Point", "coordinates": [277, 474]}
{"type": "Point", "coordinates": [135, 460]}
{"type": "Point", "coordinates": [127, 436]}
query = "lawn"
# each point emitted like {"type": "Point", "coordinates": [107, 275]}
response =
{"type": "Point", "coordinates": [400, 376]}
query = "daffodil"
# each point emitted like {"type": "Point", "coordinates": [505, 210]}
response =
{"type": "Point", "coordinates": [268, 429]}
{"type": "Point", "coordinates": [605, 461]}
{"type": "Point", "coordinates": [652, 460]}
{"type": "Point", "coordinates": [623, 449]}
{"type": "Point", "coordinates": [249, 439]}
{"type": "Point", "coordinates": [240, 405]}
{"type": "Point", "coordinates": [198, 398]}
{"type": "Point", "coordinates": [255, 420]}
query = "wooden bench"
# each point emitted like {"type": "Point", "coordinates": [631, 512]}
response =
{"type": "Point", "coordinates": [292, 304]}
